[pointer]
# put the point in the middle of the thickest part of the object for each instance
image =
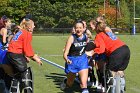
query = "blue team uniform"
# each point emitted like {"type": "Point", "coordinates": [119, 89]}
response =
{"type": "Point", "coordinates": [77, 55]}
{"type": "Point", "coordinates": [2, 53]}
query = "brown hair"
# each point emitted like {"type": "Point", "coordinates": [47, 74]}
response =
{"type": "Point", "coordinates": [100, 24]}
{"type": "Point", "coordinates": [100, 19]}
{"type": "Point", "coordinates": [2, 22]}
{"type": "Point", "coordinates": [93, 22]}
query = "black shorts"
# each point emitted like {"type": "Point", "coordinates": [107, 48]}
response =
{"type": "Point", "coordinates": [18, 61]}
{"type": "Point", "coordinates": [119, 59]}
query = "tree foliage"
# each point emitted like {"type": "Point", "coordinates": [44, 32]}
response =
{"type": "Point", "coordinates": [63, 13]}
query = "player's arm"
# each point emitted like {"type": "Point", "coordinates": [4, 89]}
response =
{"type": "Point", "coordinates": [4, 35]}
{"type": "Point", "coordinates": [67, 48]}
{"type": "Point", "coordinates": [28, 50]}
{"type": "Point", "coordinates": [100, 45]}
{"type": "Point", "coordinates": [89, 34]}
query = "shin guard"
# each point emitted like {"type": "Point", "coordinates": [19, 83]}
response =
{"type": "Point", "coordinates": [14, 86]}
{"type": "Point", "coordinates": [27, 81]}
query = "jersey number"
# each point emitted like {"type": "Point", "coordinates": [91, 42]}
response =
{"type": "Point", "coordinates": [111, 35]}
{"type": "Point", "coordinates": [82, 50]}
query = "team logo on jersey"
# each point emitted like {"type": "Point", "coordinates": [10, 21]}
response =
{"type": "Point", "coordinates": [111, 35]}
{"type": "Point", "coordinates": [16, 36]}
{"type": "Point", "coordinates": [79, 44]}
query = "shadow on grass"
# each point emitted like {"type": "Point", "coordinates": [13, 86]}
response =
{"type": "Point", "coordinates": [58, 79]}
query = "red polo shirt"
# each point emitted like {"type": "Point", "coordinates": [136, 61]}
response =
{"type": "Point", "coordinates": [107, 43]}
{"type": "Point", "coordinates": [21, 43]}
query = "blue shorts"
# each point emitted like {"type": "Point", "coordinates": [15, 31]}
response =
{"type": "Point", "coordinates": [2, 55]}
{"type": "Point", "coordinates": [78, 63]}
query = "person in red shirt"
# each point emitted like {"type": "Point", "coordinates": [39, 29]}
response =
{"type": "Point", "coordinates": [116, 50]}
{"type": "Point", "coordinates": [19, 52]}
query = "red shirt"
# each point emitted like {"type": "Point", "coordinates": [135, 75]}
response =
{"type": "Point", "coordinates": [107, 42]}
{"type": "Point", "coordinates": [21, 43]}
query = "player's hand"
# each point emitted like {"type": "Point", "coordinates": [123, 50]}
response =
{"type": "Point", "coordinates": [68, 61]}
{"type": "Point", "coordinates": [40, 63]}
{"type": "Point", "coordinates": [28, 59]}
{"type": "Point", "coordinates": [37, 59]}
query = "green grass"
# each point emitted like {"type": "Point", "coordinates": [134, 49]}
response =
{"type": "Point", "coordinates": [47, 78]}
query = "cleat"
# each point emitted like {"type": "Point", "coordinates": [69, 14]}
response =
{"type": "Point", "coordinates": [63, 84]}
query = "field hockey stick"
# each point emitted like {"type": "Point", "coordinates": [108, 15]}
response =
{"type": "Point", "coordinates": [52, 63]}
{"type": "Point", "coordinates": [59, 66]}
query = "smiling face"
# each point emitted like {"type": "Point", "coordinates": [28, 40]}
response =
{"type": "Point", "coordinates": [79, 29]}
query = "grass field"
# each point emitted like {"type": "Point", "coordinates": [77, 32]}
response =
{"type": "Point", "coordinates": [47, 78]}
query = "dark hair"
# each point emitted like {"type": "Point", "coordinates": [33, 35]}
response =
{"type": "Point", "coordinates": [28, 17]}
{"type": "Point", "coordinates": [4, 17]}
{"type": "Point", "coordinates": [1, 24]}
{"type": "Point", "coordinates": [14, 29]}
{"type": "Point", "coordinates": [79, 21]}
{"type": "Point", "coordinates": [3, 20]}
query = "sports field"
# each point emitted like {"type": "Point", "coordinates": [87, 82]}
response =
{"type": "Point", "coordinates": [47, 78]}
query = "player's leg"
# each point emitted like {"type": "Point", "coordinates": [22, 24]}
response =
{"type": "Point", "coordinates": [21, 71]}
{"type": "Point", "coordinates": [91, 74]}
{"type": "Point", "coordinates": [68, 81]}
{"type": "Point", "coordinates": [118, 62]}
{"type": "Point", "coordinates": [83, 77]}
{"type": "Point", "coordinates": [27, 81]}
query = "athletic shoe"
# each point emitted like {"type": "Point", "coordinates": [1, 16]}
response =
{"type": "Point", "coordinates": [100, 87]}
{"type": "Point", "coordinates": [92, 84]}
{"type": "Point", "coordinates": [63, 84]}
{"type": "Point", "coordinates": [85, 91]}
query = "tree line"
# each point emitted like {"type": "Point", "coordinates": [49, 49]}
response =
{"type": "Point", "coordinates": [63, 13]}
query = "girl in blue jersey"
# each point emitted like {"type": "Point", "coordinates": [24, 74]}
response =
{"type": "Point", "coordinates": [76, 59]}
{"type": "Point", "coordinates": [5, 23]}
{"type": "Point", "coordinates": [5, 69]}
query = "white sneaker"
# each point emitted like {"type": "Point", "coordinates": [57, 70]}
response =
{"type": "Point", "coordinates": [63, 85]}
{"type": "Point", "coordinates": [85, 91]}
{"type": "Point", "coordinates": [93, 84]}
{"type": "Point", "coordinates": [100, 87]}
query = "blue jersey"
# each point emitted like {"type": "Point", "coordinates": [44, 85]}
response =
{"type": "Point", "coordinates": [2, 54]}
{"type": "Point", "coordinates": [78, 46]}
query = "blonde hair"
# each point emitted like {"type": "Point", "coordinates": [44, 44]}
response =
{"type": "Point", "coordinates": [27, 24]}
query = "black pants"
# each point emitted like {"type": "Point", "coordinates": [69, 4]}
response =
{"type": "Point", "coordinates": [119, 59]}
{"type": "Point", "coordinates": [18, 62]}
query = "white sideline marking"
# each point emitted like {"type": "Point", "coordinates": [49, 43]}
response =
{"type": "Point", "coordinates": [135, 89]}
{"type": "Point", "coordinates": [53, 55]}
